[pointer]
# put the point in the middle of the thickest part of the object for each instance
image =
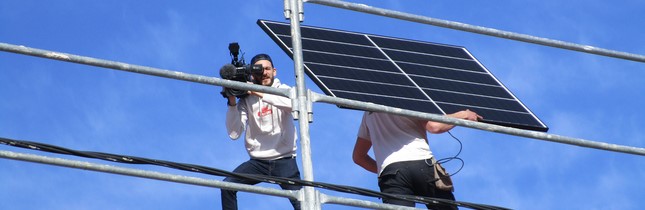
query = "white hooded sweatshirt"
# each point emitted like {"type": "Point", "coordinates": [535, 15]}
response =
{"type": "Point", "coordinates": [270, 132]}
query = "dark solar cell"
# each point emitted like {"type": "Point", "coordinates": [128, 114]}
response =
{"type": "Point", "coordinates": [422, 106]}
{"type": "Point", "coordinates": [365, 75]}
{"type": "Point", "coordinates": [511, 119]}
{"type": "Point", "coordinates": [355, 62]}
{"type": "Point", "coordinates": [333, 47]}
{"type": "Point", "coordinates": [334, 36]}
{"type": "Point", "coordinates": [407, 74]}
{"type": "Point", "coordinates": [474, 101]}
{"type": "Point", "coordinates": [461, 87]}
{"type": "Point", "coordinates": [277, 28]}
{"type": "Point", "coordinates": [449, 74]}
{"type": "Point", "coordinates": [329, 35]}
{"type": "Point", "coordinates": [421, 47]}
{"type": "Point", "coordinates": [433, 60]}
{"type": "Point", "coordinates": [373, 88]}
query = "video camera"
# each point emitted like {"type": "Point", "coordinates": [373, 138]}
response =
{"type": "Point", "coordinates": [238, 71]}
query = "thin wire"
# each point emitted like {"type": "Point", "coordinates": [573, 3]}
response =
{"type": "Point", "coordinates": [255, 177]}
{"type": "Point", "coordinates": [455, 157]}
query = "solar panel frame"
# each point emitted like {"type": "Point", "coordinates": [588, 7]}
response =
{"type": "Point", "coordinates": [384, 67]}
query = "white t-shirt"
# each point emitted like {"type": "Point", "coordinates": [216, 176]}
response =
{"type": "Point", "coordinates": [394, 138]}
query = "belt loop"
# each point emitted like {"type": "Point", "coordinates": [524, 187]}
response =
{"type": "Point", "coordinates": [432, 161]}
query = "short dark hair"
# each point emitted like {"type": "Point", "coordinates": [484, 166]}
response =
{"type": "Point", "coordinates": [260, 57]}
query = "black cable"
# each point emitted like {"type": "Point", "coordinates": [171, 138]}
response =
{"type": "Point", "coordinates": [254, 177]}
{"type": "Point", "coordinates": [460, 144]}
{"type": "Point", "coordinates": [455, 157]}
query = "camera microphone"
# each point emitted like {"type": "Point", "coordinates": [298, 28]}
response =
{"type": "Point", "coordinates": [228, 71]}
{"type": "Point", "coordinates": [239, 71]}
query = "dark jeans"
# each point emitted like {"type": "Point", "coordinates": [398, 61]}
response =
{"type": "Point", "coordinates": [412, 178]}
{"type": "Point", "coordinates": [285, 167]}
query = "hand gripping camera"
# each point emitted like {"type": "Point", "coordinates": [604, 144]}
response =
{"type": "Point", "coordinates": [238, 71]}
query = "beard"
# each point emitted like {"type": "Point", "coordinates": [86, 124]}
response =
{"type": "Point", "coordinates": [261, 79]}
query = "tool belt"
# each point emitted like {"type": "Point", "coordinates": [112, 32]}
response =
{"type": "Point", "coordinates": [442, 178]}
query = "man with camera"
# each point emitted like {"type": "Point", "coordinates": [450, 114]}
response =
{"type": "Point", "coordinates": [270, 135]}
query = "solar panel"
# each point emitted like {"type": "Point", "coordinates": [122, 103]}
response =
{"type": "Point", "coordinates": [407, 74]}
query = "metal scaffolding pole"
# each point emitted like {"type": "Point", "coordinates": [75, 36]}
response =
{"type": "Point", "coordinates": [140, 69]}
{"type": "Point", "coordinates": [294, 12]}
{"type": "Point", "coordinates": [478, 125]}
{"type": "Point", "coordinates": [187, 180]}
{"type": "Point", "coordinates": [360, 203]}
{"type": "Point", "coordinates": [479, 30]}
{"type": "Point", "coordinates": [147, 174]}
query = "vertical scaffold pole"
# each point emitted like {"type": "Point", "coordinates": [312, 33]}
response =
{"type": "Point", "coordinates": [293, 11]}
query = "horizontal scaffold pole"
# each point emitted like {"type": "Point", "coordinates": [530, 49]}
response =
{"type": "Point", "coordinates": [147, 174]}
{"type": "Point", "coordinates": [477, 125]}
{"type": "Point", "coordinates": [140, 69]}
{"type": "Point", "coordinates": [479, 30]}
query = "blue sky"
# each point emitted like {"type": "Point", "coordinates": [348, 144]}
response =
{"type": "Point", "coordinates": [95, 109]}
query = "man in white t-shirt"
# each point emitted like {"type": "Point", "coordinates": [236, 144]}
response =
{"type": "Point", "coordinates": [402, 154]}
{"type": "Point", "coordinates": [269, 133]}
